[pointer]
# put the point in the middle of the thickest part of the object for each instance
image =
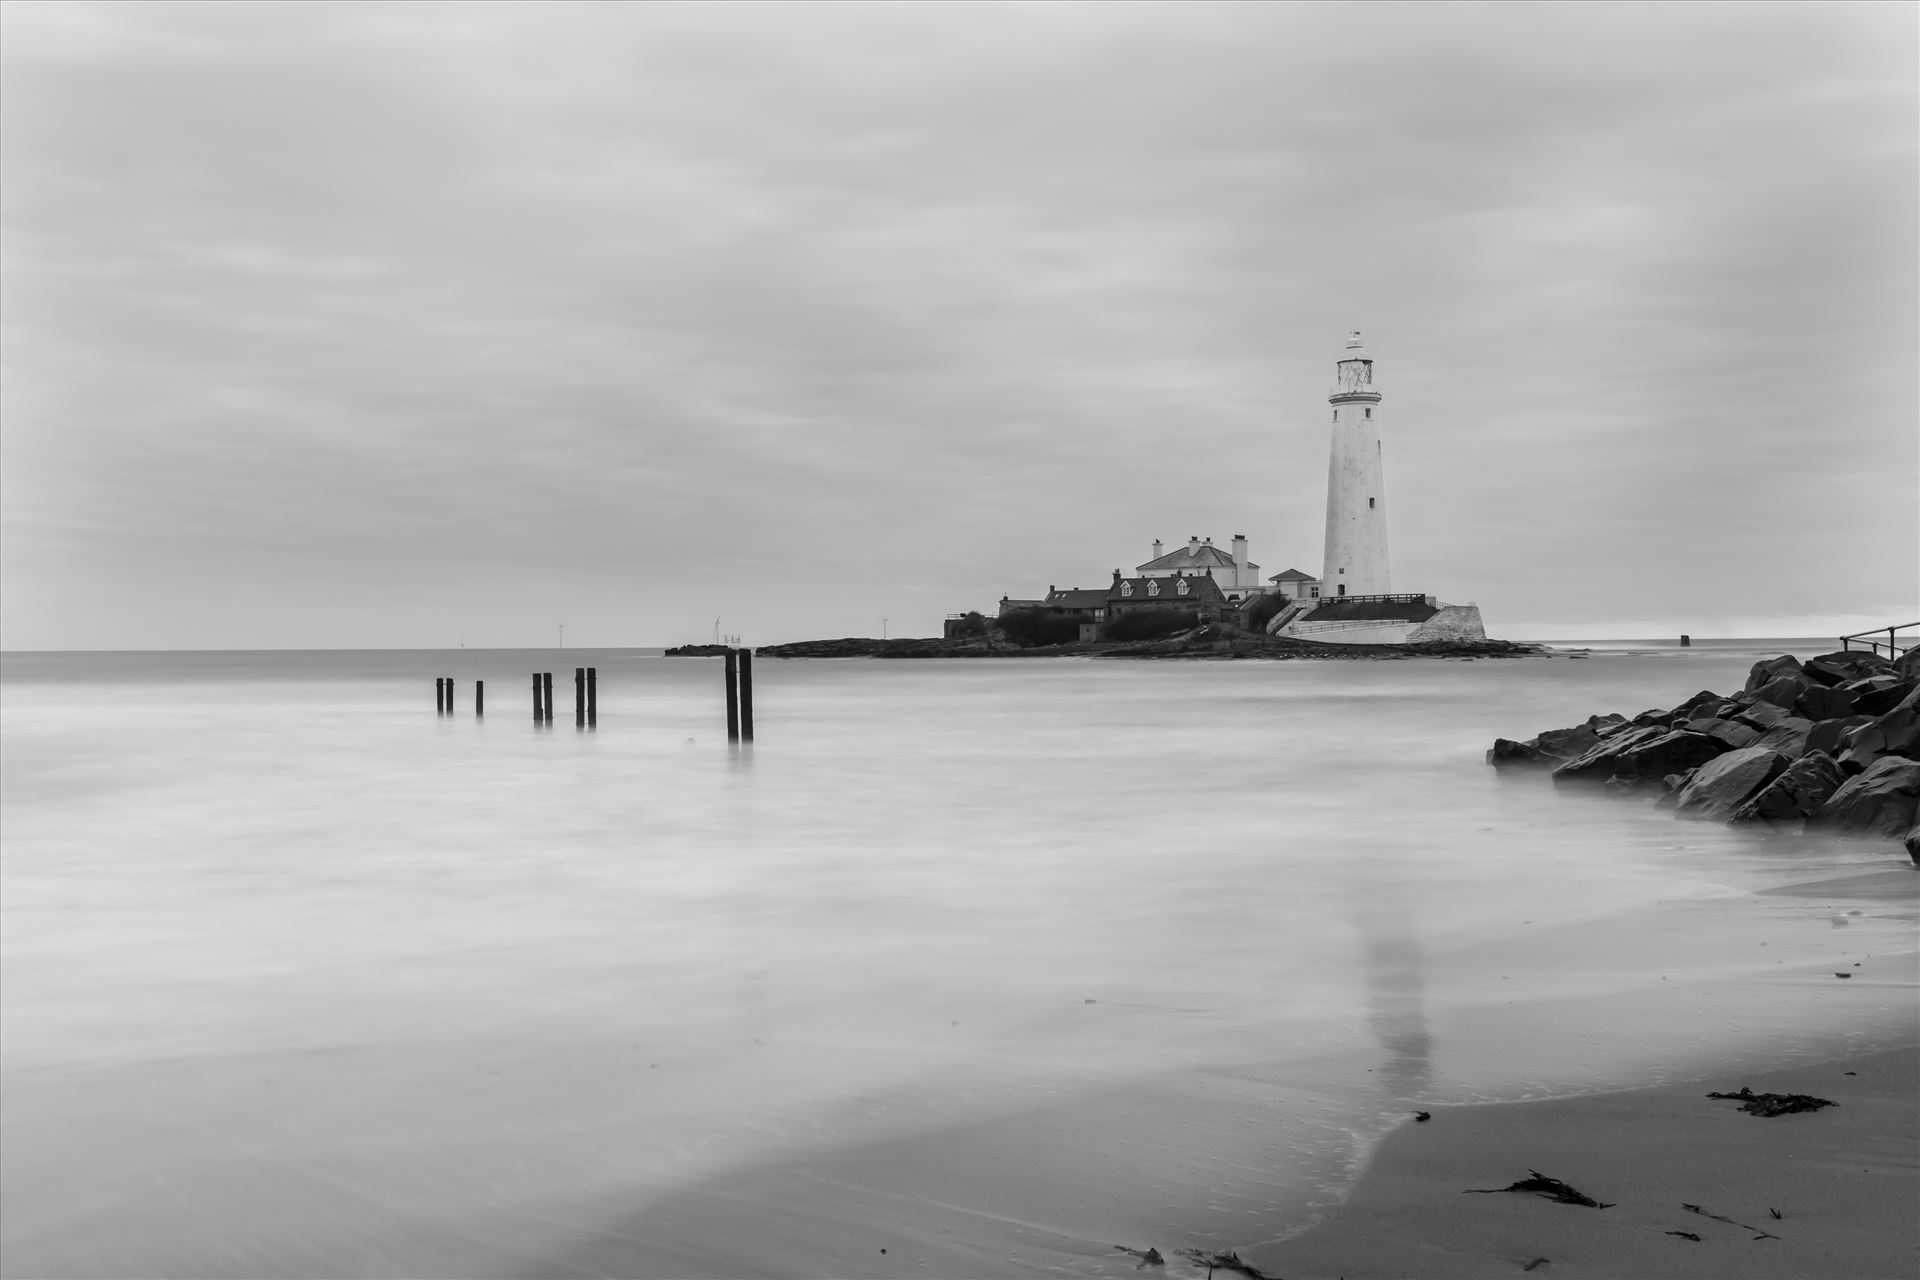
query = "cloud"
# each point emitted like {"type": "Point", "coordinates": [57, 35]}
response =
{"type": "Point", "coordinates": [829, 311]}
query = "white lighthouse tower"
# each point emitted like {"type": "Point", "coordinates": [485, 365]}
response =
{"type": "Point", "coordinates": [1356, 563]}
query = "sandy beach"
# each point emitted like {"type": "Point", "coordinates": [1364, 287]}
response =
{"type": "Point", "coordinates": [1843, 1180]}
{"type": "Point", "coordinates": [1070, 1186]}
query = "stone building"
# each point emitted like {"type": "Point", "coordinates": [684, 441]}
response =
{"type": "Point", "coordinates": [1200, 594]}
{"type": "Point", "coordinates": [1235, 575]}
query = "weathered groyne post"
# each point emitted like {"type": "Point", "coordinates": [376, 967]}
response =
{"type": "Point", "coordinates": [746, 695]}
{"type": "Point", "coordinates": [546, 694]}
{"type": "Point", "coordinates": [733, 695]}
{"type": "Point", "coordinates": [593, 697]}
{"type": "Point", "coordinates": [479, 698]}
{"type": "Point", "coordinates": [579, 697]}
{"type": "Point", "coordinates": [440, 695]}
{"type": "Point", "coordinates": [536, 698]}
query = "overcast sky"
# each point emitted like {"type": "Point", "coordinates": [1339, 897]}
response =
{"type": "Point", "coordinates": [408, 324]}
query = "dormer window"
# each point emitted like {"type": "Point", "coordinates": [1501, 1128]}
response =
{"type": "Point", "coordinates": [1153, 586]}
{"type": "Point", "coordinates": [1126, 588]}
{"type": "Point", "coordinates": [1180, 587]}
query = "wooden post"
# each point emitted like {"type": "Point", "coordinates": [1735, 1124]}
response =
{"type": "Point", "coordinates": [579, 697]}
{"type": "Point", "coordinates": [1891, 651]}
{"type": "Point", "coordinates": [1686, 641]}
{"type": "Point", "coordinates": [449, 680]}
{"type": "Point", "coordinates": [439, 696]}
{"type": "Point", "coordinates": [733, 697]}
{"type": "Point", "coordinates": [536, 698]}
{"type": "Point", "coordinates": [746, 695]}
{"type": "Point", "coordinates": [479, 698]}
{"type": "Point", "coordinates": [546, 694]}
{"type": "Point", "coordinates": [593, 696]}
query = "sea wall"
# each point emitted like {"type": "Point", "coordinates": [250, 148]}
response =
{"type": "Point", "coordinates": [1833, 742]}
{"type": "Point", "coordinates": [1454, 622]}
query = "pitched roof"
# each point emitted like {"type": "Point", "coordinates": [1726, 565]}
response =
{"type": "Point", "coordinates": [1293, 575]}
{"type": "Point", "coordinates": [1075, 598]}
{"type": "Point", "coordinates": [1164, 590]}
{"type": "Point", "coordinates": [1191, 559]}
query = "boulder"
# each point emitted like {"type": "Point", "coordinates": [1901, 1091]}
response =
{"type": "Point", "coordinates": [1729, 733]}
{"type": "Point", "coordinates": [1550, 747]}
{"type": "Point", "coordinates": [1760, 715]}
{"type": "Point", "coordinates": [1879, 802]}
{"type": "Point", "coordinates": [1784, 690]}
{"type": "Point", "coordinates": [1819, 702]}
{"type": "Point", "coordinates": [1598, 764]}
{"type": "Point", "coordinates": [1908, 664]}
{"type": "Point", "coordinates": [1877, 694]}
{"type": "Point", "coordinates": [1897, 733]}
{"type": "Point", "coordinates": [1828, 735]}
{"type": "Point", "coordinates": [1798, 792]}
{"type": "Point", "coordinates": [1769, 669]}
{"type": "Point", "coordinates": [1913, 842]}
{"type": "Point", "coordinates": [1843, 665]}
{"type": "Point", "coordinates": [1789, 737]}
{"type": "Point", "coordinates": [1723, 784]}
{"type": "Point", "coordinates": [1672, 752]}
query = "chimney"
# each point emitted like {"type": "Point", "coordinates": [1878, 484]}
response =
{"type": "Point", "coordinates": [1193, 542]}
{"type": "Point", "coordinates": [1240, 549]}
{"type": "Point", "coordinates": [1157, 553]}
{"type": "Point", "coordinates": [1116, 572]}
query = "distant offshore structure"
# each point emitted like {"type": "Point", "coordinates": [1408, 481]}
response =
{"type": "Point", "coordinates": [1355, 601]}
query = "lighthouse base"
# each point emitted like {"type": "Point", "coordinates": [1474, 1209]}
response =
{"type": "Point", "coordinates": [1385, 621]}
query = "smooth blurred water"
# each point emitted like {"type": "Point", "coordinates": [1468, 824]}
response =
{"type": "Point", "coordinates": [270, 923]}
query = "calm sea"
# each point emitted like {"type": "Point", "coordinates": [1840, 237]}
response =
{"type": "Point", "coordinates": [302, 978]}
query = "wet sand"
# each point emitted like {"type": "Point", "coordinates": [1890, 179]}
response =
{"type": "Point", "coordinates": [1192, 1161]}
{"type": "Point", "coordinates": [1843, 1179]}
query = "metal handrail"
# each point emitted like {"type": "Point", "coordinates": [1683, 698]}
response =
{"type": "Point", "coordinates": [1873, 646]}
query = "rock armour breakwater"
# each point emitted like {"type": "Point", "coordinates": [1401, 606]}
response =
{"type": "Point", "coordinates": [1832, 742]}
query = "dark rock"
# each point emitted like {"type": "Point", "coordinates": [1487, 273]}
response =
{"type": "Point", "coordinates": [1908, 665]}
{"type": "Point", "coordinates": [1760, 715]}
{"type": "Point", "coordinates": [1897, 733]}
{"type": "Point", "coordinates": [1877, 694]}
{"type": "Point", "coordinates": [1844, 665]}
{"type": "Point", "coordinates": [1672, 752]}
{"type": "Point", "coordinates": [1785, 690]}
{"type": "Point", "coordinates": [1798, 792]}
{"type": "Point", "coordinates": [1551, 747]}
{"type": "Point", "coordinates": [1827, 735]}
{"type": "Point", "coordinates": [1722, 785]}
{"type": "Point", "coordinates": [1603, 724]}
{"type": "Point", "coordinates": [1913, 842]}
{"type": "Point", "coordinates": [1789, 737]}
{"type": "Point", "coordinates": [1729, 733]}
{"type": "Point", "coordinates": [1692, 706]}
{"type": "Point", "coordinates": [1769, 669]}
{"type": "Point", "coordinates": [1821, 703]}
{"type": "Point", "coordinates": [1598, 764]}
{"type": "Point", "coordinates": [1505, 752]}
{"type": "Point", "coordinates": [1879, 802]}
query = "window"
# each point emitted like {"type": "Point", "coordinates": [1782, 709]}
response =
{"type": "Point", "coordinates": [1153, 586]}
{"type": "Point", "coordinates": [1369, 504]}
{"type": "Point", "coordinates": [1336, 415]}
{"type": "Point", "coordinates": [1126, 588]}
{"type": "Point", "coordinates": [1343, 586]}
{"type": "Point", "coordinates": [1369, 415]}
{"type": "Point", "coordinates": [1180, 587]}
